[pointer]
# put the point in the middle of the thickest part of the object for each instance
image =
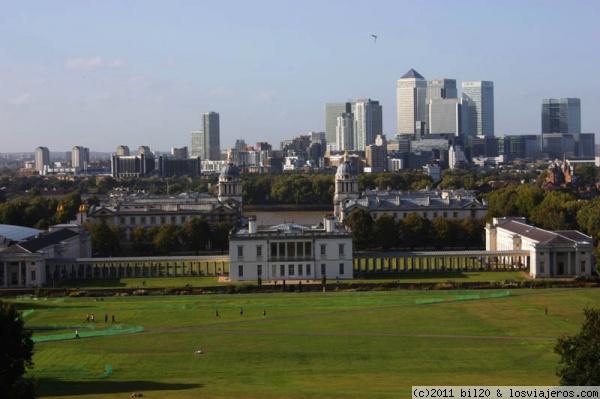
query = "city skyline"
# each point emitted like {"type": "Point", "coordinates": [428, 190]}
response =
{"type": "Point", "coordinates": [143, 73]}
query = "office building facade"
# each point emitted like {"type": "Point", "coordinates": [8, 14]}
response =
{"type": "Point", "coordinates": [480, 95]}
{"type": "Point", "coordinates": [80, 157]}
{"type": "Point", "coordinates": [211, 137]}
{"type": "Point", "coordinates": [411, 93]}
{"type": "Point", "coordinates": [42, 158]}
{"type": "Point", "coordinates": [368, 123]}
{"type": "Point", "coordinates": [332, 112]}
{"type": "Point", "coordinates": [561, 115]}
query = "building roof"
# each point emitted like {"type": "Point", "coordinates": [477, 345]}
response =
{"type": "Point", "coordinates": [290, 228]}
{"type": "Point", "coordinates": [18, 233]}
{"type": "Point", "coordinates": [412, 74]}
{"type": "Point", "coordinates": [409, 200]}
{"type": "Point", "coordinates": [544, 236]}
{"type": "Point", "coordinates": [47, 240]}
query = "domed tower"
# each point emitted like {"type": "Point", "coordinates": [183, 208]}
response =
{"type": "Point", "coordinates": [230, 183]}
{"type": "Point", "coordinates": [346, 186]}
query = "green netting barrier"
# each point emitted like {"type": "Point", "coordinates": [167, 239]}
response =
{"type": "Point", "coordinates": [27, 313]}
{"type": "Point", "coordinates": [107, 370]}
{"type": "Point", "coordinates": [88, 334]}
{"type": "Point", "coordinates": [428, 300]}
{"type": "Point", "coordinates": [499, 294]}
{"type": "Point", "coordinates": [468, 297]}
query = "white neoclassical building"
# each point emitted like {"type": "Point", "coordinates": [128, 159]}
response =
{"type": "Point", "coordinates": [555, 254]}
{"type": "Point", "coordinates": [290, 251]}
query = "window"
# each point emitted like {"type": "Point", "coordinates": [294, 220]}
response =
{"type": "Point", "coordinates": [163, 220]}
{"type": "Point", "coordinates": [281, 252]}
{"type": "Point", "coordinates": [32, 275]}
{"type": "Point", "coordinates": [341, 249]}
{"type": "Point", "coordinates": [434, 215]}
{"type": "Point", "coordinates": [542, 267]}
{"type": "Point", "coordinates": [299, 270]}
{"type": "Point", "coordinates": [152, 220]}
{"type": "Point", "coordinates": [308, 249]}
{"type": "Point", "coordinates": [259, 270]}
{"type": "Point", "coordinates": [290, 270]}
{"type": "Point", "coordinates": [240, 251]}
{"type": "Point", "coordinates": [454, 214]}
{"type": "Point", "coordinates": [259, 251]}
{"type": "Point", "coordinates": [323, 269]}
{"type": "Point", "coordinates": [405, 214]}
{"type": "Point", "coordinates": [273, 270]}
{"type": "Point", "coordinates": [132, 220]}
{"type": "Point", "coordinates": [308, 269]}
{"type": "Point", "coordinates": [582, 266]}
{"type": "Point", "coordinates": [143, 220]}
{"type": "Point", "coordinates": [273, 249]}
{"type": "Point", "coordinates": [424, 215]}
{"type": "Point", "coordinates": [122, 220]}
{"type": "Point", "coordinates": [282, 270]}
{"type": "Point", "coordinates": [240, 270]}
{"type": "Point", "coordinates": [323, 249]}
{"type": "Point", "coordinates": [341, 268]}
{"type": "Point", "coordinates": [445, 215]}
{"type": "Point", "coordinates": [291, 249]}
{"type": "Point", "coordinates": [300, 248]}
{"type": "Point", "coordinates": [173, 219]}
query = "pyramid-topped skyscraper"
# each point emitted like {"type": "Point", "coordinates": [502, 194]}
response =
{"type": "Point", "coordinates": [411, 105]}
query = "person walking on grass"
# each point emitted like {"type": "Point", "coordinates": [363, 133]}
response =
{"type": "Point", "coordinates": [77, 334]}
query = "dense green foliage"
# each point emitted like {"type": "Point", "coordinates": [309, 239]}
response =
{"type": "Point", "coordinates": [16, 353]}
{"type": "Point", "coordinates": [580, 353]}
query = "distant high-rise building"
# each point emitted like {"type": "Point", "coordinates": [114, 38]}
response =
{"type": "Point", "coordinates": [196, 148]}
{"type": "Point", "coordinates": [332, 112]}
{"type": "Point", "coordinates": [80, 157]}
{"type": "Point", "coordinates": [42, 158]}
{"type": "Point", "coordinates": [345, 132]}
{"type": "Point", "coordinates": [561, 115]}
{"type": "Point", "coordinates": [438, 89]}
{"type": "Point", "coordinates": [123, 150]}
{"type": "Point", "coordinates": [368, 123]}
{"type": "Point", "coordinates": [211, 137]}
{"type": "Point", "coordinates": [481, 107]}
{"type": "Point", "coordinates": [448, 116]}
{"type": "Point", "coordinates": [179, 153]}
{"type": "Point", "coordinates": [410, 97]}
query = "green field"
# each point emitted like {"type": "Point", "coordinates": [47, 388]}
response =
{"type": "Point", "coordinates": [317, 345]}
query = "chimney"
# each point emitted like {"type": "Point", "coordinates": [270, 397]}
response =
{"type": "Point", "coordinates": [329, 223]}
{"type": "Point", "coordinates": [252, 224]}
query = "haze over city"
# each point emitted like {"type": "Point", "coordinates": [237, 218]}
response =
{"type": "Point", "coordinates": [102, 74]}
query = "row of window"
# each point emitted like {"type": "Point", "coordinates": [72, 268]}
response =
{"type": "Point", "coordinates": [292, 270]}
{"type": "Point", "coordinates": [425, 215]}
{"type": "Point", "coordinates": [291, 250]}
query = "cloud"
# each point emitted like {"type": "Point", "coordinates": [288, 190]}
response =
{"type": "Point", "coordinates": [222, 92]}
{"type": "Point", "coordinates": [19, 100]}
{"type": "Point", "coordinates": [266, 95]}
{"type": "Point", "coordinates": [92, 63]}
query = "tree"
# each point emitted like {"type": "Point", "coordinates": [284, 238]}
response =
{"type": "Point", "coordinates": [220, 236]}
{"type": "Point", "coordinates": [105, 238]}
{"type": "Point", "coordinates": [166, 240]}
{"type": "Point", "coordinates": [580, 353]}
{"type": "Point", "coordinates": [360, 224]}
{"type": "Point", "coordinates": [386, 232]}
{"type": "Point", "coordinates": [15, 355]}
{"type": "Point", "coordinates": [196, 234]}
{"type": "Point", "coordinates": [415, 231]}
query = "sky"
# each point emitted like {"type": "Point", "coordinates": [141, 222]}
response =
{"type": "Point", "coordinates": [104, 73]}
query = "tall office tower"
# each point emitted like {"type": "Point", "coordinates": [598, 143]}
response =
{"type": "Point", "coordinates": [80, 157]}
{"type": "Point", "coordinates": [448, 116]}
{"type": "Point", "coordinates": [439, 89]}
{"type": "Point", "coordinates": [345, 132]}
{"type": "Point", "coordinates": [561, 115]}
{"type": "Point", "coordinates": [196, 147]}
{"type": "Point", "coordinates": [211, 146]}
{"type": "Point", "coordinates": [123, 151]}
{"type": "Point", "coordinates": [42, 158]}
{"type": "Point", "coordinates": [410, 97]}
{"type": "Point", "coordinates": [368, 123]}
{"type": "Point", "coordinates": [332, 112]}
{"type": "Point", "coordinates": [481, 107]}
{"type": "Point", "coordinates": [240, 145]}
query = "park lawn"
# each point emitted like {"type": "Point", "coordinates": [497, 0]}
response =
{"type": "Point", "coordinates": [338, 344]}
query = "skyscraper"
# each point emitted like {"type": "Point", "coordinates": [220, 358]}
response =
{"type": "Point", "coordinates": [332, 112]}
{"type": "Point", "coordinates": [80, 157]}
{"type": "Point", "coordinates": [196, 147]}
{"type": "Point", "coordinates": [368, 123]}
{"type": "Point", "coordinates": [411, 92]}
{"type": "Point", "coordinates": [42, 158]}
{"type": "Point", "coordinates": [123, 151]}
{"type": "Point", "coordinates": [448, 116]}
{"type": "Point", "coordinates": [345, 132]}
{"type": "Point", "coordinates": [561, 115]}
{"type": "Point", "coordinates": [211, 137]}
{"type": "Point", "coordinates": [481, 107]}
{"type": "Point", "coordinates": [438, 89]}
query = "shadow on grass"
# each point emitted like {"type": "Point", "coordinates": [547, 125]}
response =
{"type": "Point", "coordinates": [94, 283]}
{"type": "Point", "coordinates": [55, 387]}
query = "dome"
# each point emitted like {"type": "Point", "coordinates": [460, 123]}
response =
{"type": "Point", "coordinates": [230, 170]}
{"type": "Point", "coordinates": [344, 170]}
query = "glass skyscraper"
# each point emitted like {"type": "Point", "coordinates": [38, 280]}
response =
{"type": "Point", "coordinates": [480, 95]}
{"type": "Point", "coordinates": [211, 137]}
{"type": "Point", "coordinates": [561, 115]}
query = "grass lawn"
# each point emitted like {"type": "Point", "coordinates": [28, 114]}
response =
{"type": "Point", "coordinates": [337, 344]}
